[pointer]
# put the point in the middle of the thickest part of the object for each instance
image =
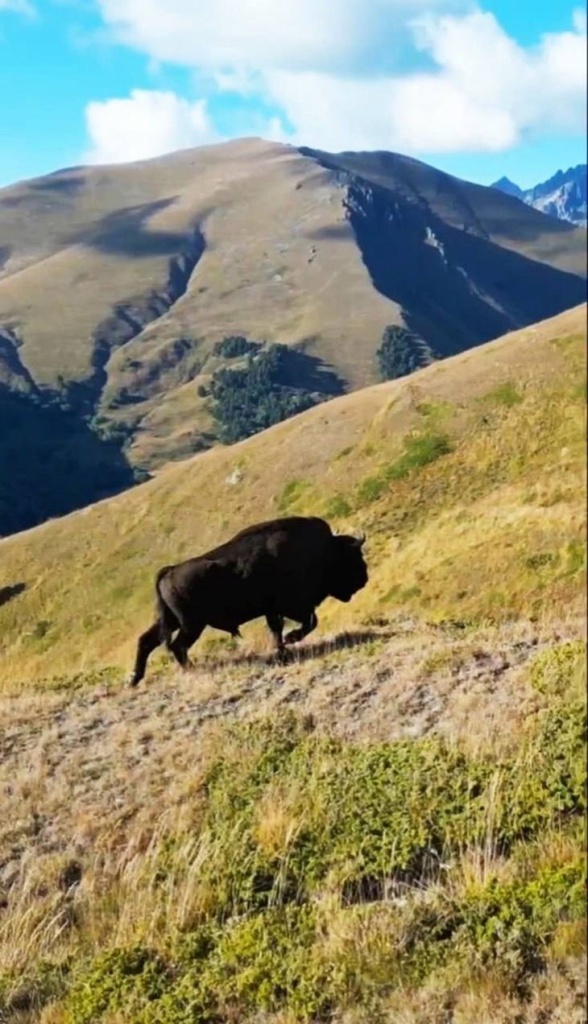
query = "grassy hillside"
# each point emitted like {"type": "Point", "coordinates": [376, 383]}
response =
{"type": "Point", "coordinates": [117, 282]}
{"type": "Point", "coordinates": [478, 454]}
{"type": "Point", "coordinates": [388, 829]}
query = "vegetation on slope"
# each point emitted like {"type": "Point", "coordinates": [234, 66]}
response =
{"type": "Point", "coordinates": [259, 394]}
{"type": "Point", "coordinates": [279, 871]}
{"type": "Point", "coordinates": [56, 455]}
{"type": "Point", "coordinates": [475, 460]}
{"type": "Point", "coordinates": [401, 352]}
{"type": "Point", "coordinates": [312, 879]}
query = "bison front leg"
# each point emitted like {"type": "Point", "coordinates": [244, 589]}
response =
{"type": "Point", "coordinates": [306, 627]}
{"type": "Point", "coordinates": [275, 625]}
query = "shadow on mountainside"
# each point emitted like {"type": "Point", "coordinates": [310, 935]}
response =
{"type": "Point", "coordinates": [60, 181]}
{"type": "Point", "coordinates": [419, 261]}
{"type": "Point", "coordinates": [124, 233]}
{"type": "Point", "coordinates": [51, 463]}
{"type": "Point", "coordinates": [7, 593]}
{"type": "Point", "coordinates": [301, 370]}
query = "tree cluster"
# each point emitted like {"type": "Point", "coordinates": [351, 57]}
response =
{"type": "Point", "coordinates": [253, 397]}
{"type": "Point", "coordinates": [401, 352]}
{"type": "Point", "coordinates": [235, 345]}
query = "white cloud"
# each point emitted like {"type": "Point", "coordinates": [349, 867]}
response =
{"type": "Point", "coordinates": [292, 35]}
{"type": "Point", "coordinates": [419, 76]}
{"type": "Point", "coordinates": [18, 7]}
{"type": "Point", "coordinates": [484, 93]}
{"type": "Point", "coordinates": [147, 124]}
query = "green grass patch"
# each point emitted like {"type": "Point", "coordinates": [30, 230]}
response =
{"type": "Point", "coordinates": [293, 492]}
{"type": "Point", "coordinates": [420, 449]}
{"type": "Point", "coordinates": [337, 507]}
{"type": "Point", "coordinates": [567, 341]}
{"type": "Point", "coordinates": [506, 394]}
{"type": "Point", "coordinates": [435, 412]}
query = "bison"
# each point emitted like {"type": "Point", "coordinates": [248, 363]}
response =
{"type": "Point", "coordinates": [282, 569]}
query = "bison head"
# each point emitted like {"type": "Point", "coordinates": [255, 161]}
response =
{"type": "Point", "coordinates": [348, 571]}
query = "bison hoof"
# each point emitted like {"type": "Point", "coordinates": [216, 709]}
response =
{"type": "Point", "coordinates": [133, 681]}
{"type": "Point", "coordinates": [292, 638]}
{"type": "Point", "coordinates": [282, 656]}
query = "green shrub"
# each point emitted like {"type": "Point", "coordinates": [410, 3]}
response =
{"type": "Point", "coordinates": [555, 671]}
{"type": "Point", "coordinates": [118, 979]}
{"type": "Point", "coordinates": [546, 784]}
{"type": "Point", "coordinates": [507, 926]}
{"type": "Point", "coordinates": [235, 345]}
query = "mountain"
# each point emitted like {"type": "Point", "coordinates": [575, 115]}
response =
{"type": "Point", "coordinates": [118, 286]}
{"type": "Point", "coordinates": [562, 196]}
{"type": "Point", "coordinates": [389, 826]}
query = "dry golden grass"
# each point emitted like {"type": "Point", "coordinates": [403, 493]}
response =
{"type": "Point", "coordinates": [557, 998]}
{"type": "Point", "coordinates": [101, 777]}
{"type": "Point", "coordinates": [100, 785]}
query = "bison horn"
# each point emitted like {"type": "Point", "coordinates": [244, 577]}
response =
{"type": "Point", "coordinates": [358, 538]}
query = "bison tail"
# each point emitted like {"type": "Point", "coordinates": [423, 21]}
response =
{"type": "Point", "coordinates": [168, 621]}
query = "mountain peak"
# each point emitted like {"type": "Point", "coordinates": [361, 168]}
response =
{"type": "Point", "coordinates": [510, 188]}
{"type": "Point", "coordinates": [562, 196]}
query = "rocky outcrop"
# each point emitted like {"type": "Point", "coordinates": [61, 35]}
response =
{"type": "Point", "coordinates": [417, 260]}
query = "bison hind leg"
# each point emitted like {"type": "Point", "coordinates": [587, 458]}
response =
{"type": "Point", "coordinates": [147, 643]}
{"type": "Point", "coordinates": [182, 643]}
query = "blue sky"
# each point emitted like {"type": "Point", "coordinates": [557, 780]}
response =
{"type": "Point", "coordinates": [479, 91]}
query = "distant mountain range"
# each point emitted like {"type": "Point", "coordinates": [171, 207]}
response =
{"type": "Point", "coordinates": [562, 196]}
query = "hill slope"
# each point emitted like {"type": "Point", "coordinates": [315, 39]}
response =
{"type": "Point", "coordinates": [116, 282]}
{"type": "Point", "coordinates": [434, 467]}
{"type": "Point", "coordinates": [390, 827]}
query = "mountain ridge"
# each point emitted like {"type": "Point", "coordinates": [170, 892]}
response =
{"type": "Point", "coordinates": [563, 195]}
{"type": "Point", "coordinates": [119, 282]}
